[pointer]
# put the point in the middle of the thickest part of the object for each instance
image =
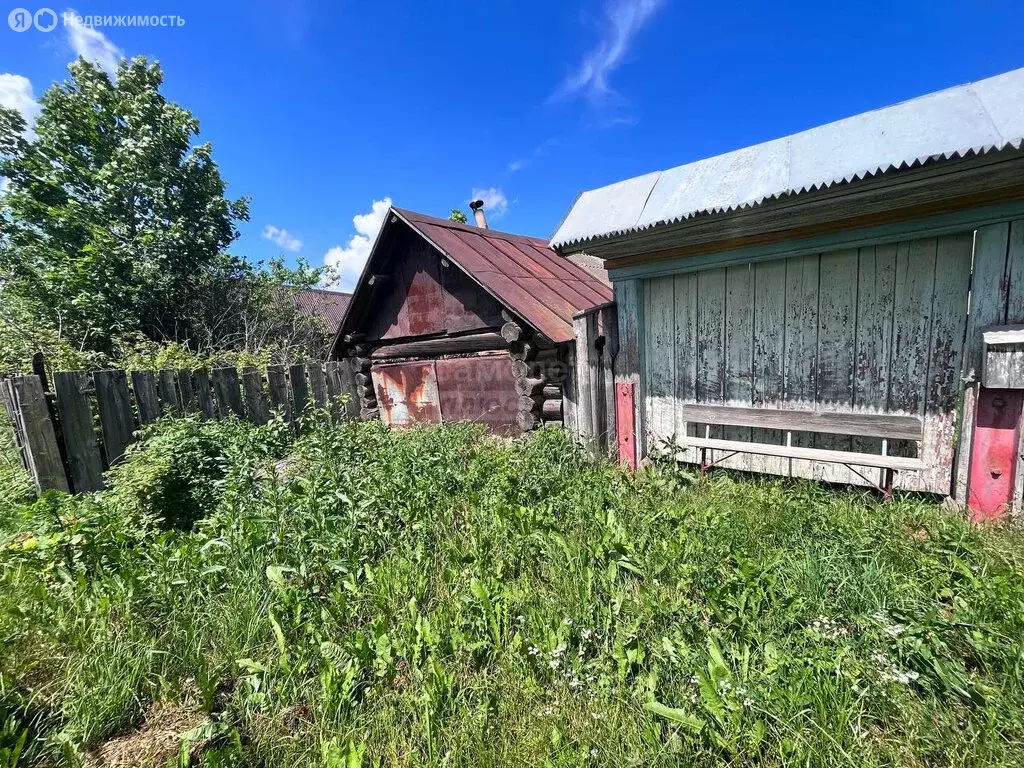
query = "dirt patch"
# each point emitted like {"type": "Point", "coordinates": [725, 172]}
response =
{"type": "Point", "coordinates": [156, 742]}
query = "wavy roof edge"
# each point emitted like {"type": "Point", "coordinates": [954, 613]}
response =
{"type": "Point", "coordinates": [956, 123]}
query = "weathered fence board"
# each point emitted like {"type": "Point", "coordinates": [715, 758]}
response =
{"type": "Point", "coordinates": [229, 396]}
{"type": "Point", "coordinates": [41, 435]}
{"type": "Point", "coordinates": [255, 402]}
{"type": "Point", "coordinates": [277, 383]}
{"type": "Point", "coordinates": [317, 385]}
{"type": "Point", "coordinates": [147, 401]}
{"type": "Point", "coordinates": [41, 449]}
{"type": "Point", "coordinates": [204, 394]}
{"type": "Point", "coordinates": [76, 420]}
{"type": "Point", "coordinates": [300, 392]}
{"type": "Point", "coordinates": [768, 371]}
{"type": "Point", "coordinates": [186, 392]}
{"type": "Point", "coordinates": [115, 406]}
{"type": "Point", "coordinates": [168, 386]}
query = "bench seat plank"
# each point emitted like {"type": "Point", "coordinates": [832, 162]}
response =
{"type": "Point", "coordinates": [810, 454]}
{"type": "Point", "coordinates": [861, 424]}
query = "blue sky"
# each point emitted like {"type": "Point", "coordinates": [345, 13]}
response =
{"type": "Point", "coordinates": [317, 110]}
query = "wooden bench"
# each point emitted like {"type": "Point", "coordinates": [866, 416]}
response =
{"type": "Point", "coordinates": [875, 425]}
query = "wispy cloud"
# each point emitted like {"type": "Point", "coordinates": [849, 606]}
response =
{"type": "Point", "coordinates": [623, 19]}
{"type": "Point", "coordinates": [346, 262]}
{"type": "Point", "coordinates": [16, 93]}
{"type": "Point", "coordinates": [281, 238]}
{"type": "Point", "coordinates": [539, 151]}
{"type": "Point", "coordinates": [91, 44]}
{"type": "Point", "coordinates": [495, 202]}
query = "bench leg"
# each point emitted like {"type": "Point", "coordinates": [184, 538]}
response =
{"type": "Point", "coordinates": [887, 488]}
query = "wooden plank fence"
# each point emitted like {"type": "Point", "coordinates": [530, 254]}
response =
{"type": "Point", "coordinates": [70, 436]}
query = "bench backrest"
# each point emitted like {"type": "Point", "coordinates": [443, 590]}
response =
{"type": "Point", "coordinates": [862, 424]}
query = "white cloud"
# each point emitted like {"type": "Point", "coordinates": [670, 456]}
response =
{"type": "Point", "coordinates": [281, 238]}
{"type": "Point", "coordinates": [623, 20]}
{"type": "Point", "coordinates": [4, 184]}
{"type": "Point", "coordinates": [495, 202]}
{"type": "Point", "coordinates": [539, 151]}
{"type": "Point", "coordinates": [346, 262]}
{"type": "Point", "coordinates": [91, 44]}
{"type": "Point", "coordinates": [16, 93]}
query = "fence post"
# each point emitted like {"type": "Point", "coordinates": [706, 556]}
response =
{"type": "Point", "coordinates": [81, 446]}
{"type": "Point", "coordinates": [41, 449]}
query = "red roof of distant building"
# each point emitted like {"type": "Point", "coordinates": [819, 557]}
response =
{"type": "Point", "coordinates": [329, 305]}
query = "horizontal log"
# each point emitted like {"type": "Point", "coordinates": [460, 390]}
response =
{"type": "Point", "coordinates": [475, 342]}
{"type": "Point", "coordinates": [828, 422]}
{"type": "Point", "coordinates": [522, 350]}
{"type": "Point", "coordinates": [551, 391]}
{"type": "Point", "coordinates": [361, 364]}
{"type": "Point", "coordinates": [369, 414]}
{"type": "Point", "coordinates": [551, 409]}
{"type": "Point", "coordinates": [364, 379]}
{"type": "Point", "coordinates": [527, 420]}
{"type": "Point", "coordinates": [527, 403]}
{"type": "Point", "coordinates": [511, 331]}
{"type": "Point", "coordinates": [528, 385]}
{"type": "Point", "coordinates": [366, 391]}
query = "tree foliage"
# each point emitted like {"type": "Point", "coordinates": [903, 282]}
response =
{"type": "Point", "coordinates": [115, 228]}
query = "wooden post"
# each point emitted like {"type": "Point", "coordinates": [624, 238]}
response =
{"type": "Point", "coordinates": [204, 395]}
{"type": "Point", "coordinates": [225, 382]}
{"type": "Point", "coordinates": [333, 379]}
{"type": "Point", "coordinates": [41, 447]}
{"type": "Point", "coordinates": [80, 443]}
{"type": "Point", "coordinates": [346, 374]}
{"type": "Point", "coordinates": [146, 399]}
{"type": "Point", "coordinates": [609, 328]}
{"type": "Point", "coordinates": [115, 406]}
{"type": "Point", "coordinates": [629, 300]}
{"type": "Point", "coordinates": [277, 383]}
{"type": "Point", "coordinates": [255, 402]}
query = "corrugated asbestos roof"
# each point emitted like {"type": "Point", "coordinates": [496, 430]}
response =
{"type": "Point", "coordinates": [969, 119]}
{"type": "Point", "coordinates": [330, 305]}
{"type": "Point", "coordinates": [522, 272]}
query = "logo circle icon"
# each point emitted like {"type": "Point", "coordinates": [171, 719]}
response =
{"type": "Point", "coordinates": [45, 19]}
{"type": "Point", "coordinates": [20, 19]}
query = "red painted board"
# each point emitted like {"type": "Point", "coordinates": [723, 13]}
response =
{"type": "Point", "coordinates": [994, 452]}
{"type": "Point", "coordinates": [625, 423]}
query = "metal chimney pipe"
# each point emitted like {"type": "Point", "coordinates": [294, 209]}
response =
{"type": "Point", "coordinates": [477, 206]}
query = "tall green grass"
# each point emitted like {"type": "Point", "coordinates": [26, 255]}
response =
{"type": "Point", "coordinates": [432, 597]}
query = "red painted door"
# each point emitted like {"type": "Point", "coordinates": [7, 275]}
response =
{"type": "Point", "coordinates": [994, 452]}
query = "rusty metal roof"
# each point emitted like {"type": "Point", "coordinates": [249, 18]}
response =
{"type": "Point", "coordinates": [973, 119]}
{"type": "Point", "coordinates": [329, 305]}
{"type": "Point", "coordinates": [523, 273]}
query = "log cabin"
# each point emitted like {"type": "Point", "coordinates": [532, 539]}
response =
{"type": "Point", "coordinates": [451, 322]}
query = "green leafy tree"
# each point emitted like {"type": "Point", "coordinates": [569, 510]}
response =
{"type": "Point", "coordinates": [112, 213]}
{"type": "Point", "coordinates": [457, 216]}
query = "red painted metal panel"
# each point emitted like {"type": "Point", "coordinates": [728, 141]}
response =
{"type": "Point", "coordinates": [407, 393]}
{"type": "Point", "coordinates": [625, 423]}
{"type": "Point", "coordinates": [994, 452]}
{"type": "Point", "coordinates": [480, 389]}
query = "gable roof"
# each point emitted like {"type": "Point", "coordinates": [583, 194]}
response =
{"type": "Point", "coordinates": [522, 273]}
{"type": "Point", "coordinates": [972, 119]}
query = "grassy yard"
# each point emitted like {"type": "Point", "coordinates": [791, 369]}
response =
{"type": "Point", "coordinates": [361, 597]}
